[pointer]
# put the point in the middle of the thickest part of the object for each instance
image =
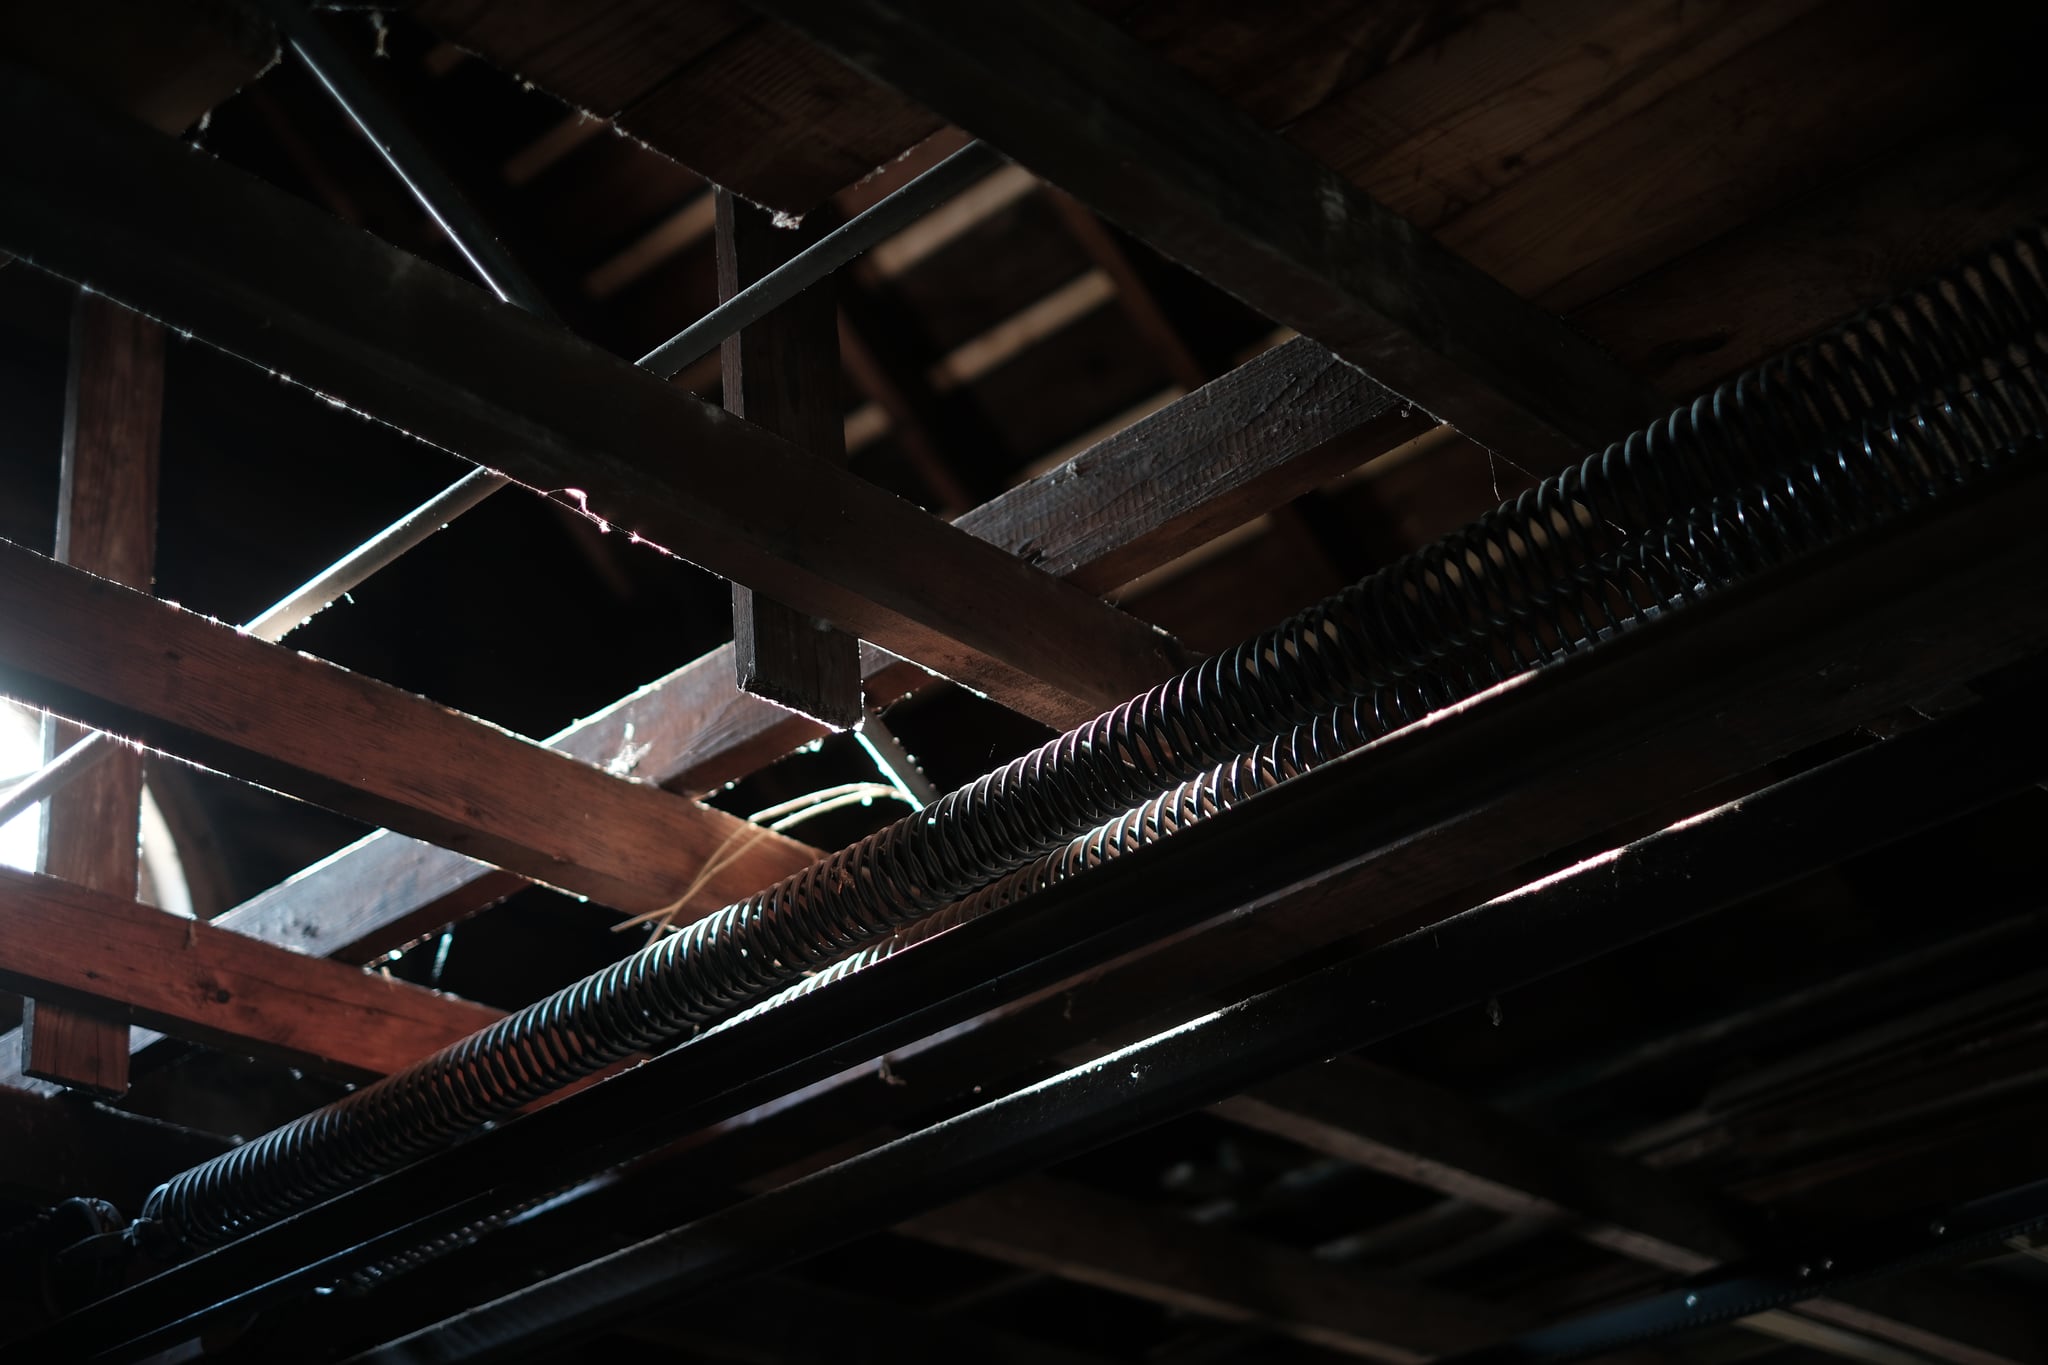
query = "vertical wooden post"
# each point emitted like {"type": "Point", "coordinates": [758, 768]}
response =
{"type": "Point", "coordinates": [782, 373]}
{"type": "Point", "coordinates": [106, 523]}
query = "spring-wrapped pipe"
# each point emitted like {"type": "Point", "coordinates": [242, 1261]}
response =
{"type": "Point", "coordinates": [1918, 391]}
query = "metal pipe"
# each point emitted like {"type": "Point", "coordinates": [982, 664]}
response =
{"type": "Point", "coordinates": [880, 222]}
{"type": "Point", "coordinates": [408, 157]}
{"type": "Point", "coordinates": [494, 266]}
{"type": "Point", "coordinates": [1465, 780]}
{"type": "Point", "coordinates": [1438, 626]}
{"type": "Point", "coordinates": [1850, 806]}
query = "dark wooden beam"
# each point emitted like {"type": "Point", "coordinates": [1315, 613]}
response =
{"type": "Point", "coordinates": [782, 374]}
{"type": "Point", "coordinates": [1287, 421]}
{"type": "Point", "coordinates": [145, 670]}
{"type": "Point", "coordinates": [1534, 767]}
{"type": "Point", "coordinates": [1082, 104]}
{"type": "Point", "coordinates": [138, 964]}
{"type": "Point", "coordinates": [106, 525]}
{"type": "Point", "coordinates": [65, 1146]}
{"type": "Point", "coordinates": [249, 269]}
{"type": "Point", "coordinates": [906, 399]}
{"type": "Point", "coordinates": [1821, 648]}
{"type": "Point", "coordinates": [1094, 1238]}
{"type": "Point", "coordinates": [1414, 1131]}
{"type": "Point", "coordinates": [1133, 295]}
{"type": "Point", "coordinates": [1283, 423]}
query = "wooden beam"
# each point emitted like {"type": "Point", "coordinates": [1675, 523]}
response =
{"type": "Point", "coordinates": [1534, 767]}
{"type": "Point", "coordinates": [226, 258]}
{"type": "Point", "coordinates": [1760, 672]}
{"type": "Point", "coordinates": [106, 525]}
{"type": "Point", "coordinates": [1275, 427]}
{"type": "Point", "coordinates": [782, 374]}
{"type": "Point", "coordinates": [142, 965]}
{"type": "Point", "coordinates": [1414, 1131]}
{"type": "Point", "coordinates": [1133, 295]}
{"type": "Point", "coordinates": [904, 399]}
{"type": "Point", "coordinates": [65, 1146]}
{"type": "Point", "coordinates": [149, 671]}
{"type": "Point", "coordinates": [1077, 101]}
{"type": "Point", "coordinates": [1094, 1238]}
{"type": "Point", "coordinates": [1260, 435]}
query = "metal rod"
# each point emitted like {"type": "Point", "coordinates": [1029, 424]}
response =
{"type": "Point", "coordinates": [1852, 805]}
{"type": "Point", "coordinates": [408, 157]}
{"type": "Point", "coordinates": [880, 222]}
{"type": "Point", "coordinates": [876, 224]}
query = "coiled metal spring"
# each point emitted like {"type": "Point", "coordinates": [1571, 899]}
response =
{"type": "Point", "coordinates": [1909, 399]}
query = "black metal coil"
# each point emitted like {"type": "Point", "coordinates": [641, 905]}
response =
{"type": "Point", "coordinates": [1873, 418]}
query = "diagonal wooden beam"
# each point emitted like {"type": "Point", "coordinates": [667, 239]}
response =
{"type": "Point", "coordinates": [1283, 423]}
{"type": "Point", "coordinates": [1080, 103]}
{"type": "Point", "coordinates": [1093, 1238]}
{"type": "Point", "coordinates": [145, 670]}
{"type": "Point", "coordinates": [106, 525]}
{"type": "Point", "coordinates": [1414, 1131]}
{"type": "Point", "coordinates": [142, 965]}
{"type": "Point", "coordinates": [1273, 428]}
{"type": "Point", "coordinates": [249, 269]}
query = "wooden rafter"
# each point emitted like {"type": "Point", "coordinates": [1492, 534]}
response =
{"type": "Point", "coordinates": [138, 964]}
{"type": "Point", "coordinates": [1093, 1238]}
{"type": "Point", "coordinates": [1283, 423]}
{"type": "Point", "coordinates": [149, 671]}
{"type": "Point", "coordinates": [225, 256]}
{"type": "Point", "coordinates": [782, 374]}
{"type": "Point", "coordinates": [1820, 648]}
{"type": "Point", "coordinates": [107, 526]}
{"type": "Point", "coordinates": [1417, 1132]}
{"type": "Point", "coordinates": [1078, 102]}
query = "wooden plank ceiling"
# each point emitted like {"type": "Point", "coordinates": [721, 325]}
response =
{"type": "Point", "coordinates": [1187, 354]}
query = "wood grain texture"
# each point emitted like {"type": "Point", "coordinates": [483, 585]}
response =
{"type": "Point", "coordinates": [1761, 672]}
{"type": "Point", "coordinates": [196, 981]}
{"type": "Point", "coordinates": [1702, 159]}
{"type": "Point", "coordinates": [1842, 246]}
{"type": "Point", "coordinates": [148, 671]}
{"type": "Point", "coordinates": [224, 257]}
{"type": "Point", "coordinates": [600, 58]}
{"type": "Point", "coordinates": [1082, 105]}
{"type": "Point", "coordinates": [1251, 440]}
{"type": "Point", "coordinates": [782, 374]}
{"type": "Point", "coordinates": [106, 525]}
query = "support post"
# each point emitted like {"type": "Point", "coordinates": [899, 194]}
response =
{"type": "Point", "coordinates": [106, 523]}
{"type": "Point", "coordinates": [782, 373]}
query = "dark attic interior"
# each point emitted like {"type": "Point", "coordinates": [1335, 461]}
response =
{"type": "Point", "coordinates": [1063, 682]}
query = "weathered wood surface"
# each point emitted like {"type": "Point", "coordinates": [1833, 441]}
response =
{"type": "Point", "coordinates": [782, 374]}
{"type": "Point", "coordinates": [132, 962]}
{"type": "Point", "coordinates": [224, 257]}
{"type": "Point", "coordinates": [704, 81]}
{"type": "Point", "coordinates": [1762, 672]}
{"type": "Point", "coordinates": [1097, 1239]}
{"type": "Point", "coordinates": [1418, 1132]}
{"type": "Point", "coordinates": [62, 1147]}
{"type": "Point", "coordinates": [1073, 99]}
{"type": "Point", "coordinates": [1251, 440]}
{"type": "Point", "coordinates": [149, 671]}
{"type": "Point", "coordinates": [106, 525]}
